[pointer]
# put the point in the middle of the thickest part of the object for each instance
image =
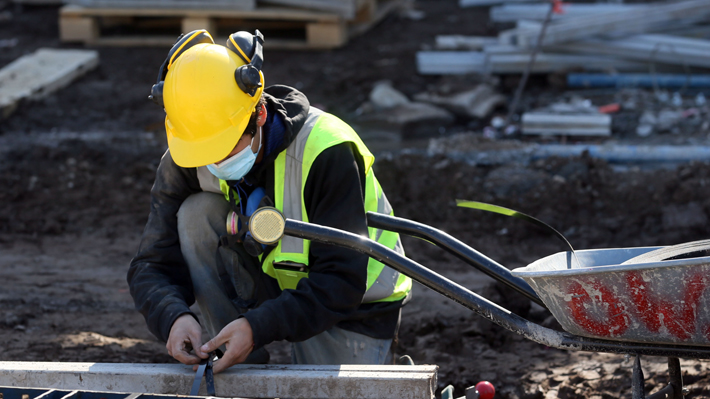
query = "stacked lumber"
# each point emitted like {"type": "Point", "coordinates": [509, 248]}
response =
{"type": "Point", "coordinates": [292, 24]}
{"type": "Point", "coordinates": [588, 37]}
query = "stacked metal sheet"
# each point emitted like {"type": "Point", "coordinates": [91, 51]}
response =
{"type": "Point", "coordinates": [590, 37]}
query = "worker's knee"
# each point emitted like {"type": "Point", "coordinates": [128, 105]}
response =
{"type": "Point", "coordinates": [202, 216]}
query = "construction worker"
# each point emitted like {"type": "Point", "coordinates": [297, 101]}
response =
{"type": "Point", "coordinates": [235, 146]}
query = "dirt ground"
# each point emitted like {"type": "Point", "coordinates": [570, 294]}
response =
{"type": "Point", "coordinates": [77, 166]}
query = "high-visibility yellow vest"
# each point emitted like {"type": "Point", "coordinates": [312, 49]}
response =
{"type": "Point", "coordinates": [288, 262]}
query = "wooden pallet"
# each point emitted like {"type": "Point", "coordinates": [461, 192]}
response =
{"type": "Point", "coordinates": [283, 28]}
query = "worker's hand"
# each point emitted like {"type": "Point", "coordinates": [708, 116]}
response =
{"type": "Point", "coordinates": [186, 334]}
{"type": "Point", "coordinates": [239, 341]}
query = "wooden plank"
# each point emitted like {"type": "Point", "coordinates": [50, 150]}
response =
{"type": "Point", "coordinates": [39, 2]}
{"type": "Point", "coordinates": [384, 8]}
{"type": "Point", "coordinates": [194, 23]}
{"type": "Point", "coordinates": [345, 8]}
{"type": "Point", "coordinates": [253, 381]}
{"type": "Point", "coordinates": [366, 13]}
{"type": "Point", "coordinates": [573, 125]}
{"type": "Point", "coordinates": [270, 13]}
{"type": "Point", "coordinates": [326, 35]}
{"type": "Point", "coordinates": [43, 72]}
{"type": "Point", "coordinates": [202, 4]}
{"type": "Point", "coordinates": [167, 41]}
{"type": "Point", "coordinates": [78, 29]}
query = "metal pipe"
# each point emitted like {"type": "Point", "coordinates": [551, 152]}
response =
{"type": "Point", "coordinates": [455, 247]}
{"type": "Point", "coordinates": [478, 304]}
{"type": "Point", "coordinates": [637, 385]}
{"type": "Point", "coordinates": [528, 68]}
{"type": "Point", "coordinates": [586, 80]}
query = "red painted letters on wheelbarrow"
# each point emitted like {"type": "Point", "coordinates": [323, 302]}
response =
{"type": "Point", "coordinates": [596, 309]}
{"type": "Point", "coordinates": [679, 320]}
{"type": "Point", "coordinates": [614, 324]}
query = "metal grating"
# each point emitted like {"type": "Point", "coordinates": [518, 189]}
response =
{"type": "Point", "coordinates": [48, 393]}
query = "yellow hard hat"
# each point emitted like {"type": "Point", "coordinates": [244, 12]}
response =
{"type": "Point", "coordinates": [209, 94]}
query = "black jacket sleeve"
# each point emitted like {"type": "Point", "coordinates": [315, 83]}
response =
{"type": "Point", "coordinates": [334, 196]}
{"type": "Point", "coordinates": [158, 277]}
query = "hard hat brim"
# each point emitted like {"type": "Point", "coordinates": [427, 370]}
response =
{"type": "Point", "coordinates": [192, 154]}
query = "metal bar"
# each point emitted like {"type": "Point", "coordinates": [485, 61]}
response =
{"type": "Point", "coordinates": [637, 390]}
{"type": "Point", "coordinates": [480, 305]}
{"type": "Point", "coordinates": [676, 377]}
{"type": "Point", "coordinates": [528, 68]}
{"type": "Point", "coordinates": [455, 247]}
{"type": "Point", "coordinates": [239, 381]}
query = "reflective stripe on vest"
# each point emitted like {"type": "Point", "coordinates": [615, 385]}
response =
{"type": "Point", "coordinates": [291, 201]}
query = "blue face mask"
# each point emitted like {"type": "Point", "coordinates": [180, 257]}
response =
{"type": "Point", "coordinates": [236, 166]}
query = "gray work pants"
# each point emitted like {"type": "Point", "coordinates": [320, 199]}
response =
{"type": "Point", "coordinates": [201, 221]}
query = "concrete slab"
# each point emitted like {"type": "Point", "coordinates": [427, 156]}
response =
{"type": "Point", "coordinates": [41, 73]}
{"type": "Point", "coordinates": [253, 381]}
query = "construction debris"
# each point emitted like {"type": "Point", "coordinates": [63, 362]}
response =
{"type": "Point", "coordinates": [390, 110]}
{"type": "Point", "coordinates": [537, 12]}
{"type": "Point", "coordinates": [546, 62]}
{"type": "Point", "coordinates": [450, 62]}
{"type": "Point", "coordinates": [41, 73]}
{"type": "Point", "coordinates": [459, 42]}
{"type": "Point", "coordinates": [617, 23]}
{"type": "Point", "coordinates": [416, 119]}
{"type": "Point", "coordinates": [476, 103]}
{"type": "Point", "coordinates": [497, 62]}
{"type": "Point", "coordinates": [572, 125]}
{"type": "Point", "coordinates": [578, 117]}
{"type": "Point", "coordinates": [591, 37]}
{"type": "Point", "coordinates": [383, 95]}
{"type": "Point", "coordinates": [649, 48]}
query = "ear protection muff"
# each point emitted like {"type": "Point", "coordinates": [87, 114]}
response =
{"type": "Point", "coordinates": [247, 46]}
{"type": "Point", "coordinates": [250, 49]}
{"type": "Point", "coordinates": [184, 42]}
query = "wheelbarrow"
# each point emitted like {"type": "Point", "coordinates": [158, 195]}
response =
{"type": "Point", "coordinates": [622, 301]}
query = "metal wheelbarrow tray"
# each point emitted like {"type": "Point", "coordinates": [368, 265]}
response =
{"type": "Point", "coordinates": [661, 302]}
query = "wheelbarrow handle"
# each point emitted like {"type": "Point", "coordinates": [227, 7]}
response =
{"type": "Point", "coordinates": [478, 304]}
{"type": "Point", "coordinates": [455, 247]}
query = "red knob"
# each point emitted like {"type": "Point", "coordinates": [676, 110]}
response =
{"type": "Point", "coordinates": [486, 390]}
